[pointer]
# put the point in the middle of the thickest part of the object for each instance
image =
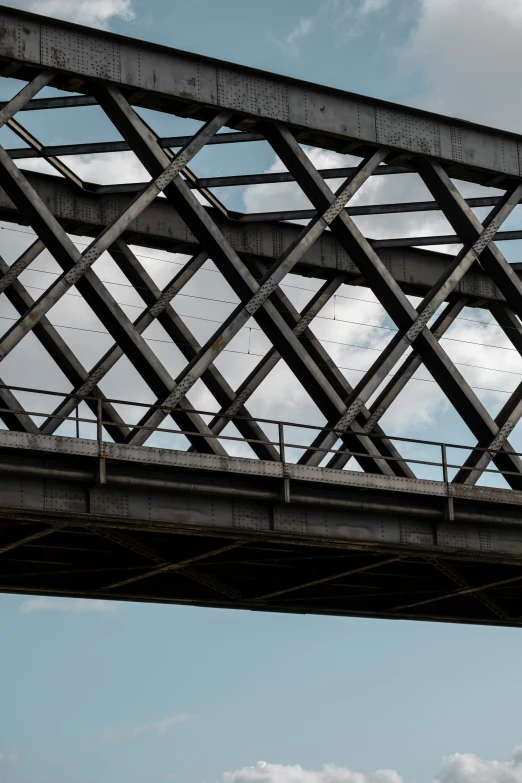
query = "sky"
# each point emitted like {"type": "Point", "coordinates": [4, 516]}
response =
{"type": "Point", "coordinates": [101, 691]}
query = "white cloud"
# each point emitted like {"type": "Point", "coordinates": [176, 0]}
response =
{"type": "Point", "coordinates": [470, 54]}
{"type": "Point", "coordinates": [372, 6]}
{"type": "Point", "coordinates": [341, 335]}
{"type": "Point", "coordinates": [97, 13]}
{"type": "Point", "coordinates": [9, 758]}
{"type": "Point", "coordinates": [468, 768]}
{"type": "Point", "coordinates": [456, 768]}
{"type": "Point", "coordinates": [263, 772]}
{"type": "Point", "coordinates": [291, 42]}
{"type": "Point", "coordinates": [155, 728]}
{"type": "Point", "coordinates": [67, 605]}
{"type": "Point", "coordinates": [300, 31]}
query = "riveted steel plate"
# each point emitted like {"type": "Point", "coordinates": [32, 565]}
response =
{"type": "Point", "coordinates": [402, 130]}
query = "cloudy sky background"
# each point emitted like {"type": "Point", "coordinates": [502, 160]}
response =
{"type": "Point", "coordinates": [106, 692]}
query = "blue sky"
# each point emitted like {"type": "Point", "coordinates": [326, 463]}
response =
{"type": "Point", "coordinates": [94, 692]}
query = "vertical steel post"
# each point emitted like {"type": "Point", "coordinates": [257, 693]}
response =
{"type": "Point", "coordinates": [450, 514]}
{"type": "Point", "coordinates": [78, 420]}
{"type": "Point", "coordinates": [102, 464]}
{"type": "Point", "coordinates": [285, 493]}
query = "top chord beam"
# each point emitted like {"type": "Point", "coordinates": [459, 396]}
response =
{"type": "Point", "coordinates": [187, 84]}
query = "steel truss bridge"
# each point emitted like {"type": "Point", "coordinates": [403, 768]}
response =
{"type": "Point", "coordinates": [290, 528]}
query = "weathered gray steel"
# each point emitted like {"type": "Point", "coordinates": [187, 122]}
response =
{"type": "Point", "coordinates": [344, 542]}
{"type": "Point", "coordinates": [236, 530]}
{"type": "Point", "coordinates": [414, 270]}
{"type": "Point", "coordinates": [172, 80]}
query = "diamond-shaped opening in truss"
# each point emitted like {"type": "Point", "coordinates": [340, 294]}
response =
{"type": "Point", "coordinates": [205, 402]}
{"type": "Point", "coordinates": [15, 240]}
{"type": "Point", "coordinates": [18, 149]}
{"type": "Point", "coordinates": [486, 357]}
{"type": "Point", "coordinates": [66, 125]}
{"type": "Point", "coordinates": [81, 329]}
{"type": "Point", "coordinates": [160, 265]}
{"type": "Point", "coordinates": [512, 249]}
{"type": "Point", "coordinates": [422, 406]}
{"type": "Point", "coordinates": [237, 446]}
{"type": "Point", "coordinates": [123, 382]}
{"type": "Point", "coordinates": [288, 196]}
{"type": "Point", "coordinates": [131, 298]}
{"type": "Point", "coordinates": [165, 349]}
{"type": "Point", "coordinates": [135, 402]}
{"type": "Point", "coordinates": [46, 127]}
{"type": "Point", "coordinates": [218, 162]}
{"type": "Point", "coordinates": [283, 398]}
{"type": "Point", "coordinates": [394, 190]}
{"type": "Point", "coordinates": [30, 366]}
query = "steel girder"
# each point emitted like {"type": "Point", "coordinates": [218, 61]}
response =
{"type": "Point", "coordinates": [170, 80]}
{"type": "Point", "coordinates": [254, 253]}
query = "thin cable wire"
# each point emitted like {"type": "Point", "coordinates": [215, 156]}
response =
{"type": "Point", "coordinates": [262, 355]}
{"type": "Point", "coordinates": [320, 317]}
{"type": "Point", "coordinates": [283, 285]}
{"type": "Point", "coordinates": [333, 342]}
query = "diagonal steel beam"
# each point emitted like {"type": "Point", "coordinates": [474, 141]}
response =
{"type": "Point", "coordinates": [62, 355]}
{"type": "Point", "coordinates": [511, 412]}
{"type": "Point", "coordinates": [455, 576]}
{"type": "Point", "coordinates": [12, 413]}
{"type": "Point", "coordinates": [87, 386]}
{"type": "Point", "coordinates": [188, 345]}
{"type": "Point", "coordinates": [256, 299]}
{"type": "Point", "coordinates": [179, 566]}
{"type": "Point", "coordinates": [29, 539]}
{"type": "Point", "coordinates": [97, 296]}
{"type": "Point", "coordinates": [56, 163]}
{"type": "Point", "coordinates": [22, 98]}
{"type": "Point", "coordinates": [396, 302]}
{"type": "Point", "coordinates": [13, 272]}
{"type": "Point", "coordinates": [392, 389]}
{"type": "Point", "coordinates": [329, 578]}
{"type": "Point", "coordinates": [103, 242]}
{"type": "Point", "coordinates": [457, 593]}
{"type": "Point", "coordinates": [231, 266]}
{"type": "Point", "coordinates": [357, 442]}
{"type": "Point", "coordinates": [129, 542]}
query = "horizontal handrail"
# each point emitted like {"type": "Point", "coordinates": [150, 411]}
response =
{"type": "Point", "coordinates": [239, 417]}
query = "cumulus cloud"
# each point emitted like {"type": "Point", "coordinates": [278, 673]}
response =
{"type": "Point", "coordinates": [98, 13]}
{"type": "Point", "coordinates": [361, 326]}
{"type": "Point", "coordinates": [154, 728]}
{"type": "Point", "coordinates": [372, 6]}
{"type": "Point", "coordinates": [67, 605]}
{"type": "Point", "coordinates": [262, 772]}
{"type": "Point", "coordinates": [469, 49]}
{"type": "Point", "coordinates": [456, 768]}
{"type": "Point", "coordinates": [9, 758]}
{"type": "Point", "coordinates": [291, 43]}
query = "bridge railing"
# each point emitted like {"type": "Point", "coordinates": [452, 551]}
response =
{"type": "Point", "coordinates": [285, 447]}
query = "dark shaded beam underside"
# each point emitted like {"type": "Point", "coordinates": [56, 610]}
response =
{"type": "Point", "coordinates": [160, 226]}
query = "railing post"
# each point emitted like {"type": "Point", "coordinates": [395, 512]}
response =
{"type": "Point", "coordinates": [450, 512]}
{"type": "Point", "coordinates": [285, 493]}
{"type": "Point", "coordinates": [102, 463]}
{"type": "Point", "coordinates": [78, 420]}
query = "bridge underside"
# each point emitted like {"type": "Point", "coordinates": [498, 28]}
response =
{"type": "Point", "coordinates": [115, 518]}
{"type": "Point", "coordinates": [187, 529]}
